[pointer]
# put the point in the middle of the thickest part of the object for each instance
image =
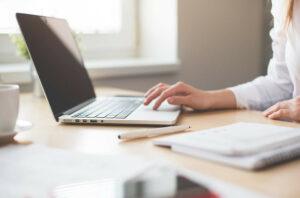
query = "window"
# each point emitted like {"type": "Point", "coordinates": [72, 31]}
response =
{"type": "Point", "coordinates": [106, 28]}
{"type": "Point", "coordinates": [116, 37]}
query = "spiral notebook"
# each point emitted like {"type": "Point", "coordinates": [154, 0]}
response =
{"type": "Point", "coordinates": [244, 145]}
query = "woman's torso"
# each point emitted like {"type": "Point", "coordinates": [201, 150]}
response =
{"type": "Point", "coordinates": [292, 51]}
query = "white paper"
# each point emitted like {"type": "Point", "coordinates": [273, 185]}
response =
{"type": "Point", "coordinates": [35, 170]}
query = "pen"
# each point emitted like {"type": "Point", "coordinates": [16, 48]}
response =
{"type": "Point", "coordinates": [147, 133]}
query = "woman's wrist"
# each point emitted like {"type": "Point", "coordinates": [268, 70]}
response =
{"type": "Point", "coordinates": [221, 99]}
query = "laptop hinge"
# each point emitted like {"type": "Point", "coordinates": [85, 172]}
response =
{"type": "Point", "coordinates": [77, 107]}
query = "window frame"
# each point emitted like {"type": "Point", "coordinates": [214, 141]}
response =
{"type": "Point", "coordinates": [93, 46]}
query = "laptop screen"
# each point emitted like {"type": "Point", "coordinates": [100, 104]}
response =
{"type": "Point", "coordinates": [57, 60]}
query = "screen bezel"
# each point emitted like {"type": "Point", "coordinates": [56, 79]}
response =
{"type": "Point", "coordinates": [56, 114]}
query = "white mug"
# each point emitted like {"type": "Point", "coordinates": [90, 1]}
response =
{"type": "Point", "coordinates": [9, 107]}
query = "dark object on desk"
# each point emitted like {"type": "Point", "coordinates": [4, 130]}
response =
{"type": "Point", "coordinates": [156, 182]}
{"type": "Point", "coordinates": [8, 139]}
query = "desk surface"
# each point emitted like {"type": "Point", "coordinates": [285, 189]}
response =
{"type": "Point", "coordinates": [279, 181]}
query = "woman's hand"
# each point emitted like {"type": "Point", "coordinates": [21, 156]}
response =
{"type": "Point", "coordinates": [186, 95]}
{"type": "Point", "coordinates": [177, 94]}
{"type": "Point", "coordinates": [286, 110]}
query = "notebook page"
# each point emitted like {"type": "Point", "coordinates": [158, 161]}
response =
{"type": "Point", "coordinates": [237, 139]}
{"type": "Point", "coordinates": [251, 162]}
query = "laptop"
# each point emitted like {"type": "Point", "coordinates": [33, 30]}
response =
{"type": "Point", "coordinates": [67, 85]}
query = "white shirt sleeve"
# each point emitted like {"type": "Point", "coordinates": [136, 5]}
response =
{"type": "Point", "coordinates": [276, 86]}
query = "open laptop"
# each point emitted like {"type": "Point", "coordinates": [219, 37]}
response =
{"type": "Point", "coordinates": [67, 85]}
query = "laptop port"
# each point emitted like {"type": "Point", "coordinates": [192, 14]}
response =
{"type": "Point", "coordinates": [93, 121]}
{"type": "Point", "coordinates": [84, 121]}
{"type": "Point", "coordinates": [77, 120]}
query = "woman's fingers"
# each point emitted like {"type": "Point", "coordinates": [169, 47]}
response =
{"type": "Point", "coordinates": [177, 89]}
{"type": "Point", "coordinates": [154, 94]}
{"type": "Point", "coordinates": [280, 114]}
{"type": "Point", "coordinates": [275, 108]}
{"type": "Point", "coordinates": [271, 110]}
{"type": "Point", "coordinates": [154, 88]}
{"type": "Point", "coordinates": [151, 90]}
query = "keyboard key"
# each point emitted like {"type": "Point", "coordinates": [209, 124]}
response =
{"type": "Point", "coordinates": [118, 108]}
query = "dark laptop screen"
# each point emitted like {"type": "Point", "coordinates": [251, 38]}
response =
{"type": "Point", "coordinates": [57, 60]}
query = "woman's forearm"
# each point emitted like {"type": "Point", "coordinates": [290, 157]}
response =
{"type": "Point", "coordinates": [221, 99]}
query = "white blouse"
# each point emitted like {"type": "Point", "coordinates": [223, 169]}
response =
{"type": "Point", "coordinates": [283, 79]}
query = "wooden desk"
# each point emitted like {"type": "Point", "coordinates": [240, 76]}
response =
{"type": "Point", "coordinates": [279, 181]}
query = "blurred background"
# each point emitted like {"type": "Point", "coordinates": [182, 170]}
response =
{"type": "Point", "coordinates": [134, 44]}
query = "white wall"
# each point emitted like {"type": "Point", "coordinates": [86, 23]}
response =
{"type": "Point", "coordinates": [221, 43]}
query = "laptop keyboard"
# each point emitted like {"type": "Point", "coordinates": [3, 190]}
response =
{"type": "Point", "coordinates": [113, 108]}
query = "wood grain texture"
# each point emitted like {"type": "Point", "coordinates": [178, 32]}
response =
{"type": "Point", "coordinates": [278, 181]}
